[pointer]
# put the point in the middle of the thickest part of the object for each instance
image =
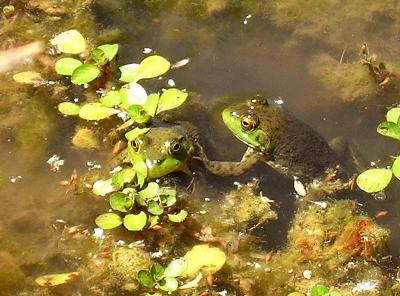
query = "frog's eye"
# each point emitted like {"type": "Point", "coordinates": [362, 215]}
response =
{"type": "Point", "coordinates": [135, 145]}
{"type": "Point", "coordinates": [249, 122]}
{"type": "Point", "coordinates": [174, 147]}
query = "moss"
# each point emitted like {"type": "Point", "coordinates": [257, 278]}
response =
{"type": "Point", "coordinates": [338, 245]}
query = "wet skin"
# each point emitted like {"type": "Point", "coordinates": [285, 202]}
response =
{"type": "Point", "coordinates": [274, 136]}
{"type": "Point", "coordinates": [165, 150]}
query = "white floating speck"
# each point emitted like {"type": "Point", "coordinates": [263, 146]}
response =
{"type": "Point", "coordinates": [123, 115]}
{"type": "Point", "coordinates": [322, 204]}
{"type": "Point", "coordinates": [55, 162]}
{"type": "Point", "coordinates": [147, 50]}
{"type": "Point", "coordinates": [364, 286]}
{"type": "Point", "coordinates": [99, 233]}
{"type": "Point", "coordinates": [171, 82]}
{"type": "Point", "coordinates": [92, 165]}
{"type": "Point", "coordinates": [299, 187]}
{"type": "Point", "coordinates": [279, 102]}
{"type": "Point", "coordinates": [247, 18]}
{"type": "Point", "coordinates": [257, 265]}
{"type": "Point", "coordinates": [116, 170]}
{"type": "Point", "coordinates": [14, 179]}
{"type": "Point", "coordinates": [307, 274]}
{"type": "Point", "coordinates": [156, 254]}
{"type": "Point", "coordinates": [76, 100]}
{"type": "Point", "coordinates": [181, 63]}
{"type": "Point", "coordinates": [61, 221]}
{"type": "Point", "coordinates": [120, 243]}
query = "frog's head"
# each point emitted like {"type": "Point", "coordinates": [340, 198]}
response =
{"type": "Point", "coordinates": [164, 150]}
{"type": "Point", "coordinates": [248, 122]}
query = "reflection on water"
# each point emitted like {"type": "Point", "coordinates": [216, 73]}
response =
{"type": "Point", "coordinates": [227, 58]}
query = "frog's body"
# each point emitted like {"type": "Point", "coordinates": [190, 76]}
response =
{"type": "Point", "coordinates": [274, 136]}
{"type": "Point", "coordinates": [164, 149]}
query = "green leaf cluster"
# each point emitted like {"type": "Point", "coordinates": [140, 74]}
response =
{"type": "Point", "coordinates": [163, 278]}
{"type": "Point", "coordinates": [377, 179]}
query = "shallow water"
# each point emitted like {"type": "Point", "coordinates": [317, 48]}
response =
{"type": "Point", "coordinates": [227, 59]}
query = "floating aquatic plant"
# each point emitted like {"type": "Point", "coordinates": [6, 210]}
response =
{"type": "Point", "coordinates": [376, 179]}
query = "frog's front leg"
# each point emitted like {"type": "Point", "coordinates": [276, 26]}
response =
{"type": "Point", "coordinates": [230, 168]}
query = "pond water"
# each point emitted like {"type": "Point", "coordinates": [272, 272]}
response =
{"type": "Point", "coordinates": [235, 51]}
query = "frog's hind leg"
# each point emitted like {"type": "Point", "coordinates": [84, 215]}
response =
{"type": "Point", "coordinates": [349, 155]}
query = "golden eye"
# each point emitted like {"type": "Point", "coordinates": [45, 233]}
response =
{"type": "Point", "coordinates": [249, 122]}
{"type": "Point", "coordinates": [135, 145]}
{"type": "Point", "coordinates": [174, 147]}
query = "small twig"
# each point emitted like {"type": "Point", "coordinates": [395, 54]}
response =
{"type": "Point", "coordinates": [341, 58]}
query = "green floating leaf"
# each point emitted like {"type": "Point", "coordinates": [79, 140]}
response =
{"type": "Point", "coordinates": [85, 74]}
{"type": "Point", "coordinates": [66, 66]}
{"type": "Point", "coordinates": [117, 181]}
{"type": "Point", "coordinates": [393, 115]}
{"type": "Point", "coordinates": [153, 66]}
{"type": "Point", "coordinates": [153, 220]}
{"type": "Point", "coordinates": [150, 191]}
{"type": "Point", "coordinates": [135, 222]}
{"type": "Point", "coordinates": [203, 258]}
{"type": "Point", "coordinates": [28, 77]}
{"type": "Point", "coordinates": [374, 180]}
{"type": "Point", "coordinates": [145, 279]}
{"type": "Point", "coordinates": [136, 132]}
{"type": "Point", "coordinates": [170, 99]}
{"type": "Point", "coordinates": [108, 221]}
{"type": "Point", "coordinates": [128, 73]}
{"type": "Point", "coordinates": [151, 104]}
{"type": "Point", "coordinates": [138, 114]}
{"type": "Point", "coordinates": [128, 175]}
{"type": "Point", "coordinates": [121, 202]}
{"type": "Point", "coordinates": [154, 208]}
{"type": "Point", "coordinates": [111, 98]}
{"type": "Point", "coordinates": [133, 94]}
{"type": "Point", "coordinates": [139, 165]}
{"type": "Point", "coordinates": [51, 280]}
{"type": "Point", "coordinates": [68, 108]}
{"type": "Point", "coordinates": [169, 284]}
{"type": "Point", "coordinates": [178, 218]}
{"type": "Point", "coordinates": [96, 111]}
{"type": "Point", "coordinates": [110, 50]}
{"type": "Point", "coordinates": [319, 290]}
{"type": "Point", "coordinates": [176, 267]}
{"type": "Point", "coordinates": [103, 187]}
{"type": "Point", "coordinates": [157, 271]}
{"type": "Point", "coordinates": [99, 56]}
{"type": "Point", "coordinates": [396, 167]}
{"type": "Point", "coordinates": [389, 129]}
{"type": "Point", "coordinates": [69, 42]}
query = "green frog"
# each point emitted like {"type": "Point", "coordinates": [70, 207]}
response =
{"type": "Point", "coordinates": [276, 137]}
{"type": "Point", "coordinates": [164, 149]}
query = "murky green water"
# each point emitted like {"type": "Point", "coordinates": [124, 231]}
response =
{"type": "Point", "coordinates": [236, 49]}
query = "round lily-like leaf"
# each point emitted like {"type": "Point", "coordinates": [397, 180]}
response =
{"type": "Point", "coordinates": [154, 208]}
{"type": "Point", "coordinates": [151, 104]}
{"type": "Point", "coordinates": [145, 279]}
{"type": "Point", "coordinates": [103, 187]}
{"type": "Point", "coordinates": [68, 108]}
{"type": "Point", "coordinates": [110, 50]}
{"type": "Point", "coordinates": [203, 258]}
{"type": "Point", "coordinates": [396, 167]}
{"type": "Point", "coordinates": [169, 284]}
{"type": "Point", "coordinates": [171, 99]}
{"type": "Point", "coordinates": [135, 222]}
{"type": "Point", "coordinates": [85, 74]}
{"type": "Point", "coordinates": [69, 42]}
{"type": "Point", "coordinates": [133, 94]}
{"type": "Point", "coordinates": [178, 218]}
{"type": "Point", "coordinates": [176, 267]}
{"type": "Point", "coordinates": [121, 202]}
{"type": "Point", "coordinates": [389, 129]}
{"type": "Point", "coordinates": [153, 66]}
{"type": "Point", "coordinates": [157, 271]}
{"type": "Point", "coordinates": [99, 56]}
{"type": "Point", "coordinates": [51, 280]}
{"type": "Point", "coordinates": [319, 290]}
{"type": "Point", "coordinates": [111, 98]}
{"type": "Point", "coordinates": [139, 165]}
{"type": "Point", "coordinates": [28, 77]}
{"type": "Point", "coordinates": [138, 114]}
{"type": "Point", "coordinates": [96, 111]}
{"type": "Point", "coordinates": [66, 66]}
{"type": "Point", "coordinates": [128, 73]}
{"type": "Point", "coordinates": [374, 180]}
{"type": "Point", "coordinates": [136, 132]}
{"type": "Point", "coordinates": [393, 115]}
{"type": "Point", "coordinates": [108, 221]}
{"type": "Point", "coordinates": [150, 191]}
